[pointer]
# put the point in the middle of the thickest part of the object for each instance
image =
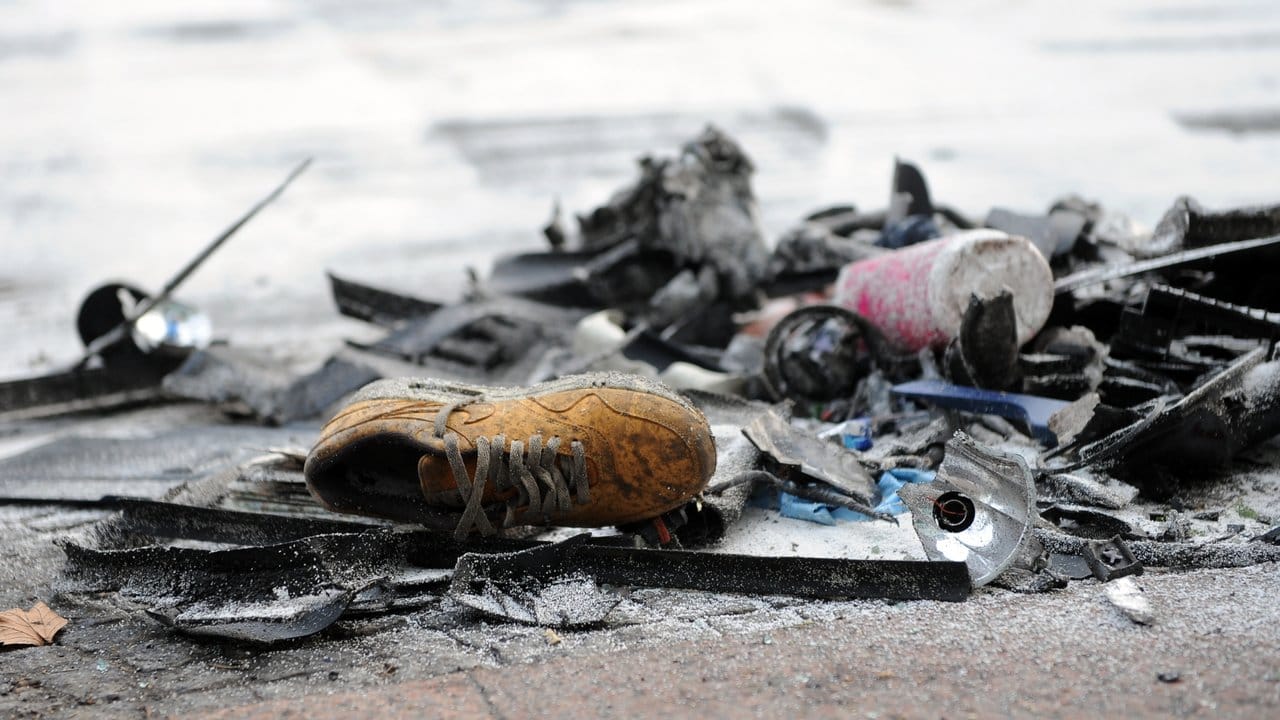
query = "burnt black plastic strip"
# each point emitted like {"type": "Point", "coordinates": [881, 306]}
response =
{"type": "Point", "coordinates": [719, 572]}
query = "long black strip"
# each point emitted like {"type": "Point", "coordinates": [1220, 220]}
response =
{"type": "Point", "coordinates": [375, 305]}
{"type": "Point", "coordinates": [719, 572]}
{"type": "Point", "coordinates": [74, 391]}
{"type": "Point", "coordinates": [480, 559]}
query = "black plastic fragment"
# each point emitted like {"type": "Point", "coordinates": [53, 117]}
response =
{"type": "Point", "coordinates": [78, 390]}
{"type": "Point", "coordinates": [985, 351]}
{"type": "Point", "coordinates": [171, 520]}
{"type": "Point", "coordinates": [375, 305]}
{"type": "Point", "coordinates": [718, 572]}
{"type": "Point", "coordinates": [1188, 225]}
{"type": "Point", "coordinates": [819, 353]}
{"type": "Point", "coordinates": [1170, 313]}
{"type": "Point", "coordinates": [1236, 408]}
{"type": "Point", "coordinates": [1111, 559]}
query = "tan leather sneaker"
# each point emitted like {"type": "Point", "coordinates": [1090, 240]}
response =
{"type": "Point", "coordinates": [587, 450]}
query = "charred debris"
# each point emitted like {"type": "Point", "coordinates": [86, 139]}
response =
{"type": "Point", "coordinates": [1043, 393]}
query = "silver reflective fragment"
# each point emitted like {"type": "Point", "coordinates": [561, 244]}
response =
{"type": "Point", "coordinates": [172, 327]}
{"type": "Point", "coordinates": [1129, 599]}
{"type": "Point", "coordinates": [978, 511]}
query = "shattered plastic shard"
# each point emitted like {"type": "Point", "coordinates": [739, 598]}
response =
{"type": "Point", "coordinates": [978, 511]}
{"type": "Point", "coordinates": [1127, 597]}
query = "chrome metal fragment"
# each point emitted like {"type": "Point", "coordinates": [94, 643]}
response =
{"type": "Point", "coordinates": [978, 511]}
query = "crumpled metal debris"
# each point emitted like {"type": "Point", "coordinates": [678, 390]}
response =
{"type": "Point", "coordinates": [794, 450]}
{"type": "Point", "coordinates": [979, 510]}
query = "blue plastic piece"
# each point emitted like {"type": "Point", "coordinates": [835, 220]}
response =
{"type": "Point", "coordinates": [909, 231]}
{"type": "Point", "coordinates": [1032, 411]}
{"type": "Point", "coordinates": [887, 500]}
{"type": "Point", "coordinates": [854, 434]}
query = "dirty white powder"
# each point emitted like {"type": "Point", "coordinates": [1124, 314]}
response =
{"type": "Point", "coordinates": [1261, 384]}
{"type": "Point", "coordinates": [762, 531]}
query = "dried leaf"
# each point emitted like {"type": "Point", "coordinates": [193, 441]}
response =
{"type": "Point", "coordinates": [36, 626]}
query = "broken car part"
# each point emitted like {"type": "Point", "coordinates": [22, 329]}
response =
{"type": "Point", "coordinates": [978, 510]}
{"type": "Point", "coordinates": [1104, 273]}
{"type": "Point", "coordinates": [131, 369]}
{"type": "Point", "coordinates": [375, 305]}
{"type": "Point", "coordinates": [76, 391]}
{"type": "Point", "coordinates": [161, 338]}
{"type": "Point", "coordinates": [1235, 409]}
{"type": "Point", "coordinates": [1170, 313]}
{"type": "Point", "coordinates": [819, 353]}
{"type": "Point", "coordinates": [297, 586]}
{"type": "Point", "coordinates": [137, 337]}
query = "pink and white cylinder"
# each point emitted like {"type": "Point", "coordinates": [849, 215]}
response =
{"type": "Point", "coordinates": [917, 296]}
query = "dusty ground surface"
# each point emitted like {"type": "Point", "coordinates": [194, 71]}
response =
{"type": "Point", "coordinates": [442, 132]}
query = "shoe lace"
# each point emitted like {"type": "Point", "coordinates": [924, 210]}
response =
{"type": "Point", "coordinates": [542, 477]}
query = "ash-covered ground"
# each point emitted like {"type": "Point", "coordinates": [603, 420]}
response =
{"type": "Point", "coordinates": [442, 133]}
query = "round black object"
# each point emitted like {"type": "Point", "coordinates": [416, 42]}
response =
{"type": "Point", "coordinates": [953, 512]}
{"type": "Point", "coordinates": [100, 313]}
{"type": "Point", "coordinates": [819, 353]}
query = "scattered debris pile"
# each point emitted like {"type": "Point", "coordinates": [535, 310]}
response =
{"type": "Point", "coordinates": [1047, 395]}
